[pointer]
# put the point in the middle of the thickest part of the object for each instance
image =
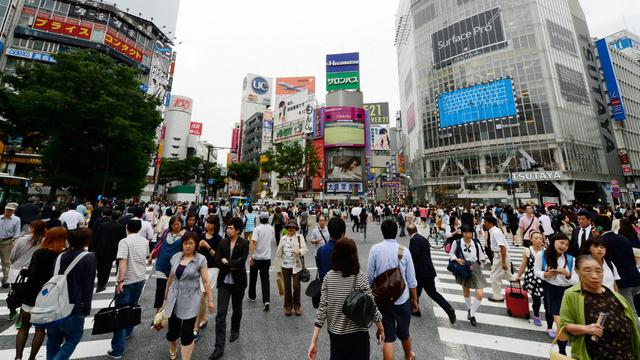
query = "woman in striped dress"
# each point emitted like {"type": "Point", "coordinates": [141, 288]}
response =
{"type": "Point", "coordinates": [348, 340]}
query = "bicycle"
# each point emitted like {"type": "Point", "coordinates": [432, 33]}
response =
{"type": "Point", "coordinates": [436, 239]}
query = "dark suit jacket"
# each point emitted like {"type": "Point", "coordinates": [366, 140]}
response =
{"type": "Point", "coordinates": [620, 253]}
{"type": "Point", "coordinates": [421, 255]}
{"type": "Point", "coordinates": [237, 261]}
{"type": "Point", "coordinates": [574, 250]}
{"type": "Point", "coordinates": [106, 239]}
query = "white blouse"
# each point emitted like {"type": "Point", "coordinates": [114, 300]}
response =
{"type": "Point", "coordinates": [469, 251]}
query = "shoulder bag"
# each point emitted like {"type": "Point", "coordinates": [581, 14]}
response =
{"type": "Point", "coordinates": [112, 319]}
{"type": "Point", "coordinates": [313, 291]}
{"type": "Point", "coordinates": [554, 355]}
{"type": "Point", "coordinates": [359, 307]}
{"type": "Point", "coordinates": [14, 298]}
{"type": "Point", "coordinates": [462, 271]}
{"type": "Point", "coordinates": [305, 275]}
{"type": "Point", "coordinates": [389, 286]}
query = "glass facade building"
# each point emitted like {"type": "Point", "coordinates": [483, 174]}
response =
{"type": "Point", "coordinates": [493, 90]}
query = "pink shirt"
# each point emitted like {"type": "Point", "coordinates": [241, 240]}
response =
{"type": "Point", "coordinates": [525, 221]}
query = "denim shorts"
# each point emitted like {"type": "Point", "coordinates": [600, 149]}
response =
{"type": "Point", "coordinates": [396, 320]}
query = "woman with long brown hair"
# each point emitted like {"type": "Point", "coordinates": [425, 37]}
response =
{"type": "Point", "coordinates": [39, 272]}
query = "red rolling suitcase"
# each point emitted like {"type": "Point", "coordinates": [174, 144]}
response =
{"type": "Point", "coordinates": [517, 300]}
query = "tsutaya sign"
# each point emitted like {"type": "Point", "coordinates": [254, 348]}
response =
{"type": "Point", "coordinates": [537, 176]}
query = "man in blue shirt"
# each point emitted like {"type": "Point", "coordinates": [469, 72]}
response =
{"type": "Point", "coordinates": [396, 318]}
{"type": "Point", "coordinates": [337, 229]}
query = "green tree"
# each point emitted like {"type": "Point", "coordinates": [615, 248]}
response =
{"type": "Point", "coordinates": [215, 173]}
{"type": "Point", "coordinates": [293, 163]}
{"type": "Point", "coordinates": [245, 173]}
{"type": "Point", "coordinates": [96, 126]}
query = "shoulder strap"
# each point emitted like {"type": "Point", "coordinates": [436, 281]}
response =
{"type": "Point", "coordinates": [56, 269]}
{"type": "Point", "coordinates": [529, 227]}
{"type": "Point", "coordinates": [570, 262]}
{"type": "Point", "coordinates": [544, 261]}
{"type": "Point", "coordinates": [478, 249]}
{"type": "Point", "coordinates": [75, 261]}
{"type": "Point", "coordinates": [321, 234]}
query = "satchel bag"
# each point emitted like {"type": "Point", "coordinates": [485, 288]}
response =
{"type": "Point", "coordinates": [554, 355]}
{"type": "Point", "coordinates": [359, 307]}
{"type": "Point", "coordinates": [305, 275]}
{"type": "Point", "coordinates": [112, 319]}
{"type": "Point", "coordinates": [389, 286]}
{"type": "Point", "coordinates": [14, 298]}
{"type": "Point", "coordinates": [462, 271]}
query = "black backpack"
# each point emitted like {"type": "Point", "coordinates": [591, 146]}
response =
{"type": "Point", "coordinates": [359, 307]}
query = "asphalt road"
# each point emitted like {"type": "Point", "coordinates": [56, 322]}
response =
{"type": "Point", "coordinates": [271, 335]}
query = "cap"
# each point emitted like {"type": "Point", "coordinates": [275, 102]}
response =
{"type": "Point", "coordinates": [11, 206]}
{"type": "Point", "coordinates": [264, 215]}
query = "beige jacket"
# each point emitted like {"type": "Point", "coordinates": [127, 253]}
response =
{"type": "Point", "coordinates": [297, 245]}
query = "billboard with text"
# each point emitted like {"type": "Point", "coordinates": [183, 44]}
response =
{"type": "Point", "coordinates": [292, 85]}
{"type": "Point", "coordinates": [378, 113]}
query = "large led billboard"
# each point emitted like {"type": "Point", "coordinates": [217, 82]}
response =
{"type": "Point", "coordinates": [486, 101]}
{"type": "Point", "coordinates": [344, 134]}
{"type": "Point", "coordinates": [475, 35]}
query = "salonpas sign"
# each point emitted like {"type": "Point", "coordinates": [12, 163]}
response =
{"type": "Point", "coordinates": [537, 176]}
{"type": "Point", "coordinates": [343, 81]}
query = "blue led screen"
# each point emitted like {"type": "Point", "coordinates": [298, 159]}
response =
{"type": "Point", "coordinates": [487, 101]}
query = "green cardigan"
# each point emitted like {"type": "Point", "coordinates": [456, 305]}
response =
{"type": "Point", "coordinates": [572, 312]}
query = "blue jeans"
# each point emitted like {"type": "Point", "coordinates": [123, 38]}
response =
{"type": "Point", "coordinates": [130, 295]}
{"type": "Point", "coordinates": [63, 338]}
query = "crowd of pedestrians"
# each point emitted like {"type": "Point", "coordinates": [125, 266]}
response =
{"type": "Point", "coordinates": [577, 264]}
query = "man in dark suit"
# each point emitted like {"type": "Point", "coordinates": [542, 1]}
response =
{"type": "Point", "coordinates": [232, 281]}
{"type": "Point", "coordinates": [581, 235]}
{"type": "Point", "coordinates": [620, 253]}
{"type": "Point", "coordinates": [105, 245]}
{"type": "Point", "coordinates": [425, 272]}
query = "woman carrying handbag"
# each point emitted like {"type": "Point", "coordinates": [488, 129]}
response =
{"type": "Point", "coordinates": [289, 262]}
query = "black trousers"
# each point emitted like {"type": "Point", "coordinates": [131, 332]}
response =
{"type": "Point", "coordinates": [354, 346]}
{"type": "Point", "coordinates": [181, 329]}
{"type": "Point", "coordinates": [103, 268]}
{"type": "Point", "coordinates": [161, 286]}
{"type": "Point", "coordinates": [429, 286]}
{"type": "Point", "coordinates": [261, 266]}
{"type": "Point", "coordinates": [356, 224]}
{"type": "Point", "coordinates": [278, 231]}
{"type": "Point", "coordinates": [228, 294]}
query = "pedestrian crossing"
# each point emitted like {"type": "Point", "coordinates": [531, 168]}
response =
{"type": "Point", "coordinates": [91, 346]}
{"type": "Point", "coordinates": [495, 330]}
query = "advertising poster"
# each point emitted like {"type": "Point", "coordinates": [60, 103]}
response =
{"type": "Point", "coordinates": [293, 85]}
{"type": "Point", "coordinates": [343, 81]}
{"type": "Point", "coordinates": [380, 138]}
{"type": "Point", "coordinates": [617, 107]}
{"type": "Point", "coordinates": [295, 108]}
{"type": "Point", "coordinates": [195, 128]}
{"type": "Point", "coordinates": [159, 73]}
{"type": "Point", "coordinates": [316, 183]}
{"type": "Point", "coordinates": [344, 187]}
{"type": "Point", "coordinates": [318, 129]}
{"type": "Point", "coordinates": [476, 35]}
{"type": "Point", "coordinates": [267, 131]}
{"type": "Point", "coordinates": [63, 28]}
{"type": "Point", "coordinates": [344, 167]}
{"type": "Point", "coordinates": [257, 89]}
{"type": "Point", "coordinates": [486, 101]}
{"type": "Point", "coordinates": [235, 137]}
{"type": "Point", "coordinates": [343, 71]}
{"type": "Point", "coordinates": [378, 113]}
{"type": "Point", "coordinates": [411, 116]}
{"type": "Point", "coordinates": [288, 132]}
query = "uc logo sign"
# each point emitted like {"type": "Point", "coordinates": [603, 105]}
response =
{"type": "Point", "coordinates": [260, 85]}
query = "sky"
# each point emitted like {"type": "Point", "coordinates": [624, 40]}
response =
{"type": "Point", "coordinates": [219, 42]}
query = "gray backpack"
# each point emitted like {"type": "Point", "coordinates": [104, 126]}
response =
{"type": "Point", "coordinates": [52, 303]}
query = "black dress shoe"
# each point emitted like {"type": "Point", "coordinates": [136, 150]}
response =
{"type": "Point", "coordinates": [100, 289]}
{"type": "Point", "coordinates": [468, 314]}
{"type": "Point", "coordinates": [234, 337]}
{"type": "Point", "coordinates": [473, 320]}
{"type": "Point", "coordinates": [216, 355]}
{"type": "Point", "coordinates": [496, 300]}
{"type": "Point", "coordinates": [452, 316]}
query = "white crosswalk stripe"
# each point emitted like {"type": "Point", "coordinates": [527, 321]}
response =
{"type": "Point", "coordinates": [495, 330]}
{"type": "Point", "coordinates": [89, 347]}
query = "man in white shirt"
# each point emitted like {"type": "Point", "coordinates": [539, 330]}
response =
{"type": "Point", "coordinates": [320, 235]}
{"type": "Point", "coordinates": [71, 218]}
{"type": "Point", "coordinates": [501, 268]}
{"type": "Point", "coordinates": [203, 212]}
{"type": "Point", "coordinates": [545, 222]}
{"type": "Point", "coordinates": [260, 258]}
{"type": "Point", "coordinates": [355, 216]}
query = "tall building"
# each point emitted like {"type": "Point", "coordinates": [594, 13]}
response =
{"type": "Point", "coordinates": [497, 92]}
{"type": "Point", "coordinates": [619, 63]}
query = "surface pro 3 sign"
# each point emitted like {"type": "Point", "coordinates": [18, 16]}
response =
{"type": "Point", "coordinates": [475, 35]}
